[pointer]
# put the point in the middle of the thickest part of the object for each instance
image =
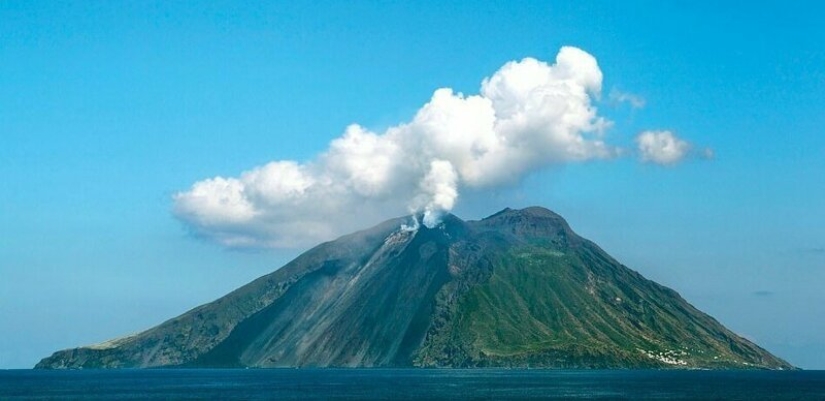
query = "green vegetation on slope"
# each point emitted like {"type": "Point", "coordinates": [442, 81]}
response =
{"type": "Point", "coordinates": [545, 306]}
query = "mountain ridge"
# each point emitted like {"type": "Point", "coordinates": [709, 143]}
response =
{"type": "Point", "coordinates": [518, 288]}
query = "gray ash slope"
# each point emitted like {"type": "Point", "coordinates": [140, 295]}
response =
{"type": "Point", "coordinates": [516, 289]}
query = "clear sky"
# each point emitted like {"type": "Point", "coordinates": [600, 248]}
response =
{"type": "Point", "coordinates": [110, 112]}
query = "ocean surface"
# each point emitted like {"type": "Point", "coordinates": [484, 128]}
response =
{"type": "Point", "coordinates": [409, 384]}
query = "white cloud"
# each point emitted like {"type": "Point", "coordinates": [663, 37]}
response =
{"type": "Point", "coordinates": [528, 115]}
{"type": "Point", "coordinates": [661, 147]}
{"type": "Point", "coordinates": [635, 101]}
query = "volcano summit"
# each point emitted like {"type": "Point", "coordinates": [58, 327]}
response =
{"type": "Point", "coordinates": [516, 289]}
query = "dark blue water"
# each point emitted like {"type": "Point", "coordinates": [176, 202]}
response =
{"type": "Point", "coordinates": [408, 384]}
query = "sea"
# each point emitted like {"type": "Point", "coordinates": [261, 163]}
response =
{"type": "Point", "coordinates": [409, 384]}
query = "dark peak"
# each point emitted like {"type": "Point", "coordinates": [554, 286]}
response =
{"type": "Point", "coordinates": [532, 212]}
{"type": "Point", "coordinates": [451, 219]}
{"type": "Point", "coordinates": [447, 219]}
{"type": "Point", "coordinates": [539, 211]}
{"type": "Point", "coordinates": [450, 225]}
{"type": "Point", "coordinates": [502, 211]}
{"type": "Point", "coordinates": [530, 222]}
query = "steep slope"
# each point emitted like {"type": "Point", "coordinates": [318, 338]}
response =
{"type": "Point", "coordinates": [554, 299]}
{"type": "Point", "coordinates": [518, 288]}
{"type": "Point", "coordinates": [184, 338]}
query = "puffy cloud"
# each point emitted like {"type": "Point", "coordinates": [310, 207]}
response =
{"type": "Point", "coordinates": [528, 115]}
{"type": "Point", "coordinates": [661, 147]}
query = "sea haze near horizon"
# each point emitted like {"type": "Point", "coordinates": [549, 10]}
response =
{"type": "Point", "coordinates": [401, 384]}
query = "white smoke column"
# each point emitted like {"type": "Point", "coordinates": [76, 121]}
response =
{"type": "Point", "coordinates": [438, 191]}
{"type": "Point", "coordinates": [411, 227]}
{"type": "Point", "coordinates": [528, 115]}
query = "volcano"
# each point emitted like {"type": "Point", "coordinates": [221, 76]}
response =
{"type": "Point", "coordinates": [516, 289]}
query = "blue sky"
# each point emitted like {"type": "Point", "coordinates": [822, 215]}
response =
{"type": "Point", "coordinates": [107, 110]}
